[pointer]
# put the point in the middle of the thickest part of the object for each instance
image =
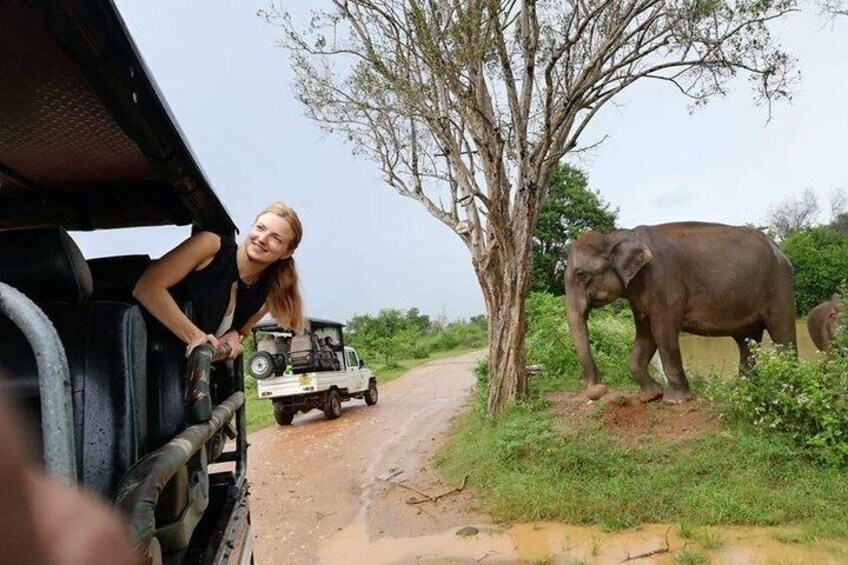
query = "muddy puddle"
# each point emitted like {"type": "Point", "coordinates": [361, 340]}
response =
{"type": "Point", "coordinates": [719, 356]}
{"type": "Point", "coordinates": [551, 543]}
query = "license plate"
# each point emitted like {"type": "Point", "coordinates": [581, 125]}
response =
{"type": "Point", "coordinates": [305, 380]}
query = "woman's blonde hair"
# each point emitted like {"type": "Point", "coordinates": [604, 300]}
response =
{"type": "Point", "coordinates": [283, 299]}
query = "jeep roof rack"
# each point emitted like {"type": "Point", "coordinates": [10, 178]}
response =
{"type": "Point", "coordinates": [270, 325]}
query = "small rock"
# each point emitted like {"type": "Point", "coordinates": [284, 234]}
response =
{"type": "Point", "coordinates": [467, 532]}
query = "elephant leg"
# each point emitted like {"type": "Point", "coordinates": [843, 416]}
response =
{"type": "Point", "coordinates": [678, 387]}
{"type": "Point", "coordinates": [640, 357]}
{"type": "Point", "coordinates": [782, 331]}
{"type": "Point", "coordinates": [745, 360]}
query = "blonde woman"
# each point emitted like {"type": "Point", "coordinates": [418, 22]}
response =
{"type": "Point", "coordinates": [231, 286]}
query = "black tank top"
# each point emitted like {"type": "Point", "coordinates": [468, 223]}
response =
{"type": "Point", "coordinates": [209, 291]}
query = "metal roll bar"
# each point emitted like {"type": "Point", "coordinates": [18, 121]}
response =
{"type": "Point", "coordinates": [197, 391]}
{"type": "Point", "coordinates": [54, 382]}
{"type": "Point", "coordinates": [139, 490]}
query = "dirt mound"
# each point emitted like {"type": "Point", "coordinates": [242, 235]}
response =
{"type": "Point", "coordinates": [631, 422]}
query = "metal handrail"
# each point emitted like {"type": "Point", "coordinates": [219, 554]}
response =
{"type": "Point", "coordinates": [54, 382]}
{"type": "Point", "coordinates": [197, 390]}
{"type": "Point", "coordinates": [138, 493]}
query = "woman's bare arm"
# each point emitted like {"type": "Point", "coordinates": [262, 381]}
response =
{"type": "Point", "coordinates": [245, 329]}
{"type": "Point", "coordinates": [151, 290]}
{"type": "Point", "coordinates": [233, 337]}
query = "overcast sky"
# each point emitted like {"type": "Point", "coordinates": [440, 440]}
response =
{"type": "Point", "coordinates": [366, 248]}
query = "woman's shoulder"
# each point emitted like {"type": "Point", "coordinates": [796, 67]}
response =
{"type": "Point", "coordinates": [205, 246]}
{"type": "Point", "coordinates": [207, 239]}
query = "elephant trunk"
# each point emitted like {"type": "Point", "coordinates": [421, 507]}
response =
{"type": "Point", "coordinates": [578, 317]}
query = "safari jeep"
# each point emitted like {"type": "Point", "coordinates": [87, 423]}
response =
{"type": "Point", "coordinates": [88, 143]}
{"type": "Point", "coordinates": [299, 372]}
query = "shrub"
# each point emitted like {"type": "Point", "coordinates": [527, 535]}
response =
{"type": "Point", "coordinates": [804, 399]}
{"type": "Point", "coordinates": [549, 343]}
{"type": "Point", "coordinates": [421, 350]}
{"type": "Point", "coordinates": [481, 371]}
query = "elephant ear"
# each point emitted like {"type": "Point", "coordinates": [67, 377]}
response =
{"type": "Point", "coordinates": [836, 301]}
{"type": "Point", "coordinates": [628, 255]}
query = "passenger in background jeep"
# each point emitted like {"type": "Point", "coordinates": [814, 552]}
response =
{"type": "Point", "coordinates": [231, 286]}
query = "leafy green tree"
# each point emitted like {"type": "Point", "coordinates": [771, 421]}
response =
{"type": "Point", "coordinates": [569, 209]}
{"type": "Point", "coordinates": [840, 224]}
{"type": "Point", "coordinates": [419, 320]}
{"type": "Point", "coordinates": [820, 258]}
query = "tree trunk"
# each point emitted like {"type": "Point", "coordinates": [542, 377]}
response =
{"type": "Point", "coordinates": [505, 287]}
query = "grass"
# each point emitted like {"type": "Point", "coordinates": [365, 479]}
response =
{"type": "Point", "coordinates": [523, 470]}
{"type": "Point", "coordinates": [260, 413]}
{"type": "Point", "coordinates": [710, 540]}
{"type": "Point", "coordinates": [688, 557]}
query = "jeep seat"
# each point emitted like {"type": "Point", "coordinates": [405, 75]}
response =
{"type": "Point", "coordinates": [105, 343]}
{"type": "Point", "coordinates": [114, 279]}
{"type": "Point", "coordinates": [302, 355]}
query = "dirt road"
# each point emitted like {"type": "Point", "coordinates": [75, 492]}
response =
{"type": "Point", "coordinates": [326, 491]}
{"type": "Point", "coordinates": [353, 491]}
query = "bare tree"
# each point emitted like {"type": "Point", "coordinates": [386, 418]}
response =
{"type": "Point", "coordinates": [467, 105]}
{"type": "Point", "coordinates": [838, 203]}
{"type": "Point", "coordinates": [794, 214]}
{"type": "Point", "coordinates": [834, 8]}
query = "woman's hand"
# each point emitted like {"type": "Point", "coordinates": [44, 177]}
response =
{"type": "Point", "coordinates": [200, 339]}
{"type": "Point", "coordinates": [233, 339]}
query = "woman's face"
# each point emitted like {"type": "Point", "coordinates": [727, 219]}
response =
{"type": "Point", "coordinates": [269, 239]}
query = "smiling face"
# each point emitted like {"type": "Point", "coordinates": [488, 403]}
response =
{"type": "Point", "coordinates": [271, 238]}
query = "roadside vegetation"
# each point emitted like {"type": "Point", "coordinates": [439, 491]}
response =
{"type": "Point", "coordinates": [817, 249]}
{"type": "Point", "coordinates": [390, 343]}
{"type": "Point", "coordinates": [776, 457]}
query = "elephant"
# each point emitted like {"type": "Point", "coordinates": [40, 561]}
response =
{"type": "Point", "coordinates": [702, 278]}
{"type": "Point", "coordinates": [823, 321]}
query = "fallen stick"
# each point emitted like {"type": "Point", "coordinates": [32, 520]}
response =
{"type": "Point", "coordinates": [488, 553]}
{"type": "Point", "coordinates": [665, 549]}
{"type": "Point", "coordinates": [460, 488]}
{"type": "Point", "coordinates": [393, 475]}
{"type": "Point", "coordinates": [415, 490]}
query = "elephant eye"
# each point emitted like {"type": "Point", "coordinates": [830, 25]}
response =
{"type": "Point", "coordinates": [581, 275]}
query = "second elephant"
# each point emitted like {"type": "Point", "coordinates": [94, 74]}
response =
{"type": "Point", "coordinates": [823, 321]}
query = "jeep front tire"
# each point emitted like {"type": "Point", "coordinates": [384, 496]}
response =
{"type": "Point", "coordinates": [371, 394]}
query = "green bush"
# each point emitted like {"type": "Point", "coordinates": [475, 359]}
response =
{"type": "Point", "coordinates": [805, 400]}
{"type": "Point", "coordinates": [421, 350]}
{"type": "Point", "coordinates": [481, 371]}
{"type": "Point", "coordinates": [820, 258]}
{"type": "Point", "coordinates": [549, 343]}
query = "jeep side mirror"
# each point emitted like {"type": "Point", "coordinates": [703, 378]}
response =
{"type": "Point", "coordinates": [361, 363]}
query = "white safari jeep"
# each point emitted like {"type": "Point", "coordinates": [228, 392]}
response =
{"type": "Point", "coordinates": [299, 372]}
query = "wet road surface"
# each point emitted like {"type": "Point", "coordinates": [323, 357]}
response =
{"type": "Point", "coordinates": [352, 491]}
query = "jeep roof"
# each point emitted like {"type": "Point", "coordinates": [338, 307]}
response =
{"type": "Point", "coordinates": [87, 140]}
